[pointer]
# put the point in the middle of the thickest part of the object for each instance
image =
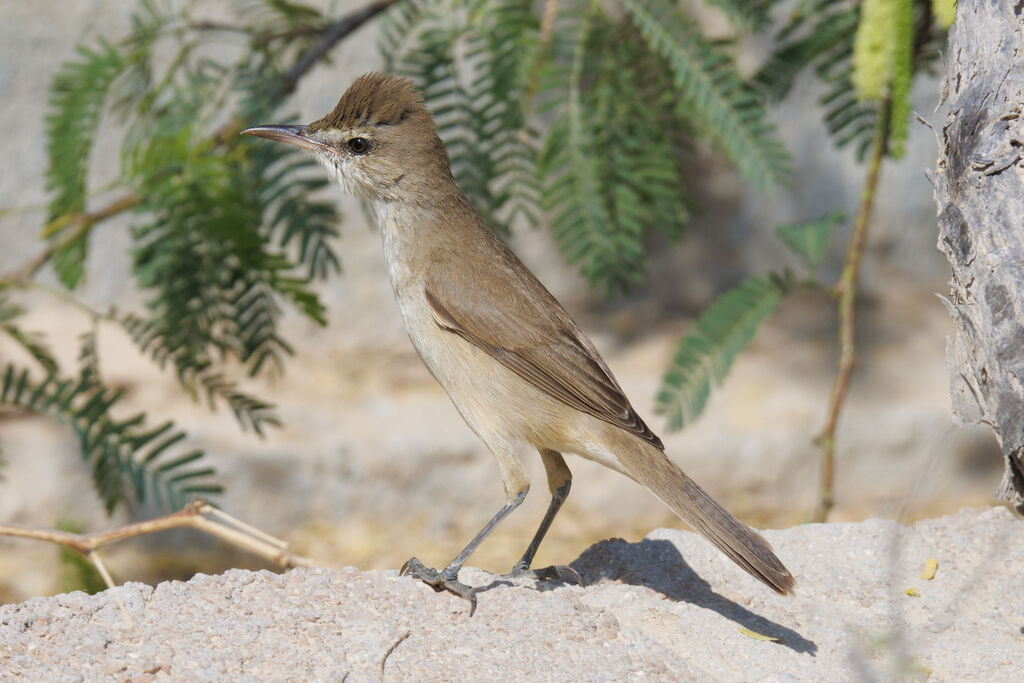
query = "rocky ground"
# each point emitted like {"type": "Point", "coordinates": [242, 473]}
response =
{"type": "Point", "coordinates": [373, 464]}
{"type": "Point", "coordinates": [669, 607]}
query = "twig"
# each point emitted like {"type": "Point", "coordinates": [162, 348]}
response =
{"type": "Point", "coordinates": [392, 649]}
{"type": "Point", "coordinates": [547, 29]}
{"type": "Point", "coordinates": [82, 222]}
{"type": "Point", "coordinates": [258, 39]}
{"type": "Point", "coordinates": [846, 290]}
{"type": "Point", "coordinates": [197, 515]}
{"type": "Point", "coordinates": [332, 33]}
{"type": "Point", "coordinates": [210, 25]}
{"type": "Point", "coordinates": [94, 557]}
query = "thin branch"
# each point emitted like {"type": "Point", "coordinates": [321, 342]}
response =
{"type": "Point", "coordinates": [259, 39]}
{"type": "Point", "coordinates": [391, 649]}
{"type": "Point", "coordinates": [197, 515]}
{"type": "Point", "coordinates": [210, 25]}
{"type": "Point", "coordinates": [97, 561]}
{"type": "Point", "coordinates": [82, 223]}
{"type": "Point", "coordinates": [332, 33]}
{"type": "Point", "coordinates": [846, 290]}
{"type": "Point", "coordinates": [547, 29]}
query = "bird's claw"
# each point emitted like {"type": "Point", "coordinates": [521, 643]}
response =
{"type": "Point", "coordinates": [439, 581]}
{"type": "Point", "coordinates": [559, 572]}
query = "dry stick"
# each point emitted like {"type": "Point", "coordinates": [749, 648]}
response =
{"type": "Point", "coordinates": [331, 34]}
{"type": "Point", "coordinates": [846, 290]}
{"type": "Point", "coordinates": [196, 515]}
{"type": "Point", "coordinates": [391, 649]}
{"type": "Point", "coordinates": [547, 29]}
{"type": "Point", "coordinates": [83, 222]}
{"type": "Point", "coordinates": [94, 557]}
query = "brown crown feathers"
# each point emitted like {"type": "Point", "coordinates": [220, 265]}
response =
{"type": "Point", "coordinates": [374, 99]}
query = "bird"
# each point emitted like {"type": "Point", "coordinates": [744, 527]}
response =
{"type": "Point", "coordinates": [518, 369]}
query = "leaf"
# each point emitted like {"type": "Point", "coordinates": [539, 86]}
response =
{"type": "Point", "coordinates": [757, 636]}
{"type": "Point", "coordinates": [571, 164]}
{"type": "Point", "coordinates": [205, 258]}
{"type": "Point", "coordinates": [33, 343]}
{"type": "Point", "coordinates": [752, 14]}
{"type": "Point", "coordinates": [706, 354]}
{"type": "Point", "coordinates": [830, 34]}
{"type": "Point", "coordinates": [873, 48]}
{"type": "Point", "coordinates": [122, 473]}
{"type": "Point", "coordinates": [77, 95]}
{"type": "Point", "coordinates": [883, 56]}
{"type": "Point", "coordinates": [712, 93]}
{"type": "Point", "coordinates": [902, 77]}
{"type": "Point", "coordinates": [930, 567]}
{"type": "Point", "coordinates": [945, 12]}
{"type": "Point", "coordinates": [470, 61]}
{"type": "Point", "coordinates": [810, 240]}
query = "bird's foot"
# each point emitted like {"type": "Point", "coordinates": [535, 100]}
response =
{"type": "Point", "coordinates": [558, 572]}
{"type": "Point", "coordinates": [444, 580]}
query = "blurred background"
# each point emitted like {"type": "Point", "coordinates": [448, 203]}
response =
{"type": "Point", "coordinates": [372, 464]}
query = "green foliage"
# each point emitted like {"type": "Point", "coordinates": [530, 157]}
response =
{"type": "Point", "coordinates": [32, 343]}
{"type": "Point", "coordinates": [201, 378]}
{"type": "Point", "coordinates": [902, 74]}
{"type": "Point", "coordinates": [226, 232]}
{"type": "Point", "coordinates": [874, 47]}
{"type": "Point", "coordinates": [810, 240]}
{"type": "Point", "coordinates": [80, 91]}
{"type": "Point", "coordinates": [712, 94]}
{"type": "Point", "coordinates": [706, 354]}
{"type": "Point", "coordinates": [470, 60]}
{"type": "Point", "coordinates": [581, 222]}
{"type": "Point", "coordinates": [945, 12]}
{"type": "Point", "coordinates": [609, 164]}
{"type": "Point", "coordinates": [128, 459]}
{"type": "Point", "coordinates": [802, 43]}
{"type": "Point", "coordinates": [729, 324]}
{"type": "Point", "coordinates": [203, 255]}
{"type": "Point", "coordinates": [625, 82]}
{"type": "Point", "coordinates": [587, 115]}
{"type": "Point", "coordinates": [821, 34]}
{"type": "Point", "coordinates": [882, 61]}
{"type": "Point", "coordinates": [752, 14]}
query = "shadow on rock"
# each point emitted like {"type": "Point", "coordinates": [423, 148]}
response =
{"type": "Point", "coordinates": [657, 564]}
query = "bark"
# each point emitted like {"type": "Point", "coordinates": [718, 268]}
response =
{"type": "Point", "coordinates": [979, 192]}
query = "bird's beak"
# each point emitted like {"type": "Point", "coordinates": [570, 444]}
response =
{"type": "Point", "coordinates": [293, 135]}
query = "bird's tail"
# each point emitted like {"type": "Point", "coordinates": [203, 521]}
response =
{"type": "Point", "coordinates": [743, 545]}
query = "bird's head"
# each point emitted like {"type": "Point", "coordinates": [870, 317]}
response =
{"type": "Point", "coordinates": [379, 142]}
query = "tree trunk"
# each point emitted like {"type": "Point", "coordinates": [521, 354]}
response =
{"type": "Point", "coordinates": [979, 190]}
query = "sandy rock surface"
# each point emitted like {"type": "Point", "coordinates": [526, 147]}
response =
{"type": "Point", "coordinates": [667, 607]}
{"type": "Point", "coordinates": [373, 462]}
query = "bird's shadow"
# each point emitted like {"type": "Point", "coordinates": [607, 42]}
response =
{"type": "Point", "coordinates": [658, 565]}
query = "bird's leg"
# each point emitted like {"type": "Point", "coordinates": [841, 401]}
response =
{"type": "Point", "coordinates": [448, 578]}
{"type": "Point", "coordinates": [559, 483]}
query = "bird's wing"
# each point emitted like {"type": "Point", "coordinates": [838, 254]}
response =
{"type": "Point", "coordinates": [539, 343]}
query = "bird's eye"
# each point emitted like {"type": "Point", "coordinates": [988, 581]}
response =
{"type": "Point", "coordinates": [359, 145]}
